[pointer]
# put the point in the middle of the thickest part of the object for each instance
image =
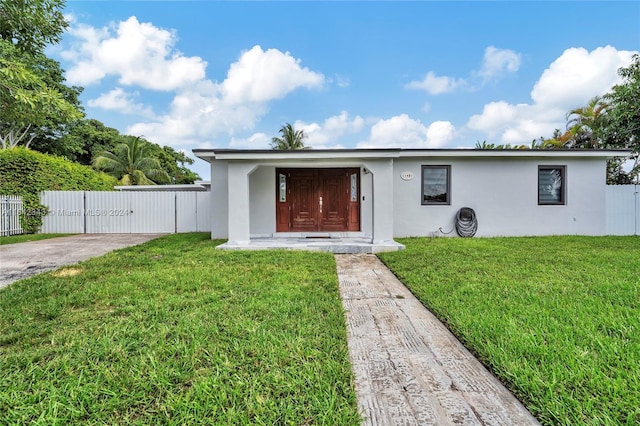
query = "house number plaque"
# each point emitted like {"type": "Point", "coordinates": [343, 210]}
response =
{"type": "Point", "coordinates": [406, 175]}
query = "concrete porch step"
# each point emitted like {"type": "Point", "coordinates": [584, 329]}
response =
{"type": "Point", "coordinates": [330, 245]}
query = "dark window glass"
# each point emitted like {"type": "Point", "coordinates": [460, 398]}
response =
{"type": "Point", "coordinates": [551, 185]}
{"type": "Point", "coordinates": [436, 185]}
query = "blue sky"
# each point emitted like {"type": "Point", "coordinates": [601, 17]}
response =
{"type": "Point", "coordinates": [202, 74]}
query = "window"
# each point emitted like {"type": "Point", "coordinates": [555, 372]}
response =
{"type": "Point", "coordinates": [551, 185]}
{"type": "Point", "coordinates": [436, 185]}
{"type": "Point", "coordinates": [354, 187]}
{"type": "Point", "coordinates": [282, 187]}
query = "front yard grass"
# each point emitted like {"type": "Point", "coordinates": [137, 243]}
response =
{"type": "Point", "coordinates": [557, 319]}
{"type": "Point", "coordinates": [176, 332]}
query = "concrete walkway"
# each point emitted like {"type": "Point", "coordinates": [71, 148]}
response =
{"type": "Point", "coordinates": [409, 369]}
{"type": "Point", "coordinates": [22, 260]}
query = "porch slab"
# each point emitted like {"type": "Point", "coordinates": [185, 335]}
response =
{"type": "Point", "coordinates": [330, 245]}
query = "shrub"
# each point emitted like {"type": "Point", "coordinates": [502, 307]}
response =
{"type": "Point", "coordinates": [27, 173]}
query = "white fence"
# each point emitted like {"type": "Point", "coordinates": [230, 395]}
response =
{"type": "Point", "coordinates": [135, 212]}
{"type": "Point", "coordinates": [10, 208]}
{"type": "Point", "coordinates": [623, 210]}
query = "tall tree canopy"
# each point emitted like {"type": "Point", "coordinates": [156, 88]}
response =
{"type": "Point", "coordinates": [290, 138]}
{"type": "Point", "coordinates": [623, 116]}
{"type": "Point", "coordinates": [131, 164]}
{"type": "Point", "coordinates": [30, 25]}
{"type": "Point", "coordinates": [33, 98]}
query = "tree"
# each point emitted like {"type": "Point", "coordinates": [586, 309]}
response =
{"type": "Point", "coordinates": [623, 130]}
{"type": "Point", "coordinates": [131, 163]}
{"type": "Point", "coordinates": [291, 138]}
{"type": "Point", "coordinates": [586, 125]}
{"type": "Point", "coordinates": [174, 163]}
{"type": "Point", "coordinates": [32, 24]}
{"type": "Point", "coordinates": [32, 91]}
{"type": "Point", "coordinates": [80, 141]}
{"type": "Point", "coordinates": [487, 145]}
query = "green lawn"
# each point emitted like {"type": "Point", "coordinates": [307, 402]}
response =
{"type": "Point", "coordinates": [29, 237]}
{"type": "Point", "coordinates": [176, 332]}
{"type": "Point", "coordinates": [557, 319]}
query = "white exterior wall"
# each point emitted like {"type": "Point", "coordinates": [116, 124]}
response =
{"type": "Point", "coordinates": [219, 200]}
{"type": "Point", "coordinates": [504, 195]}
{"type": "Point", "coordinates": [262, 192]}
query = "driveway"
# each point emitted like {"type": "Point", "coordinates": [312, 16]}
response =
{"type": "Point", "coordinates": [23, 260]}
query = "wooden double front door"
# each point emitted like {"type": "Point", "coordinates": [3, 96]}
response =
{"type": "Point", "coordinates": [318, 200]}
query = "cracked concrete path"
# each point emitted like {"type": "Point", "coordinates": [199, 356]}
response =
{"type": "Point", "coordinates": [22, 260]}
{"type": "Point", "coordinates": [409, 369]}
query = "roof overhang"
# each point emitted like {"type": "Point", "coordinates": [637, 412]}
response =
{"type": "Point", "coordinates": [210, 155]}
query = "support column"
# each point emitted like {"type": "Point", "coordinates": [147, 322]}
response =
{"type": "Point", "coordinates": [219, 202]}
{"type": "Point", "coordinates": [382, 171]}
{"type": "Point", "coordinates": [239, 205]}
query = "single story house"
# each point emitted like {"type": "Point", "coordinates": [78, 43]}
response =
{"type": "Point", "coordinates": [382, 194]}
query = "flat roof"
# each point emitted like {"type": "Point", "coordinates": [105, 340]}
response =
{"type": "Point", "coordinates": [326, 154]}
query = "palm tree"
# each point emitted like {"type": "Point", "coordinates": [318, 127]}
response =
{"type": "Point", "coordinates": [130, 164]}
{"type": "Point", "coordinates": [291, 138]}
{"type": "Point", "coordinates": [585, 125]}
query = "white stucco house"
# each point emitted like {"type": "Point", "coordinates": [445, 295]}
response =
{"type": "Point", "coordinates": [381, 194]}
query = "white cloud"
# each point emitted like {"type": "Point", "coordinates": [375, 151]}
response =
{"type": "Point", "coordinates": [199, 114]}
{"type": "Point", "coordinates": [261, 76]}
{"type": "Point", "coordinates": [121, 101]}
{"type": "Point", "coordinates": [495, 115]}
{"type": "Point", "coordinates": [495, 63]}
{"type": "Point", "coordinates": [255, 141]}
{"type": "Point", "coordinates": [143, 55]}
{"type": "Point", "coordinates": [578, 75]}
{"type": "Point", "coordinates": [570, 82]}
{"type": "Point", "coordinates": [498, 61]}
{"type": "Point", "coordinates": [208, 109]}
{"type": "Point", "coordinates": [402, 131]}
{"type": "Point", "coordinates": [328, 134]}
{"type": "Point", "coordinates": [137, 53]}
{"type": "Point", "coordinates": [342, 81]}
{"type": "Point", "coordinates": [435, 85]}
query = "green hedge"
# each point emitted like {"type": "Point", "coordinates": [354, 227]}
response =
{"type": "Point", "coordinates": [27, 173]}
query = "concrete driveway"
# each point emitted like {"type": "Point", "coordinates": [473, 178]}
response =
{"type": "Point", "coordinates": [23, 260]}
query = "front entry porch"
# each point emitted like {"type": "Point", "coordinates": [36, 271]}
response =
{"type": "Point", "coordinates": [279, 204]}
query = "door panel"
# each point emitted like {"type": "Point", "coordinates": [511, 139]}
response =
{"type": "Point", "coordinates": [317, 200]}
{"type": "Point", "coordinates": [334, 212]}
{"type": "Point", "coordinates": [304, 201]}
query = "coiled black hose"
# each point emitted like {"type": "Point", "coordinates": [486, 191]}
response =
{"type": "Point", "coordinates": [466, 222]}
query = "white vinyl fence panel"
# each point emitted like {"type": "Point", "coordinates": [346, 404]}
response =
{"type": "Point", "coordinates": [10, 208]}
{"type": "Point", "coordinates": [203, 204]}
{"type": "Point", "coordinates": [108, 212]}
{"type": "Point", "coordinates": [139, 212]}
{"type": "Point", "coordinates": [623, 210]}
{"type": "Point", "coordinates": [187, 214]}
{"type": "Point", "coordinates": [193, 212]}
{"type": "Point", "coordinates": [66, 212]}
